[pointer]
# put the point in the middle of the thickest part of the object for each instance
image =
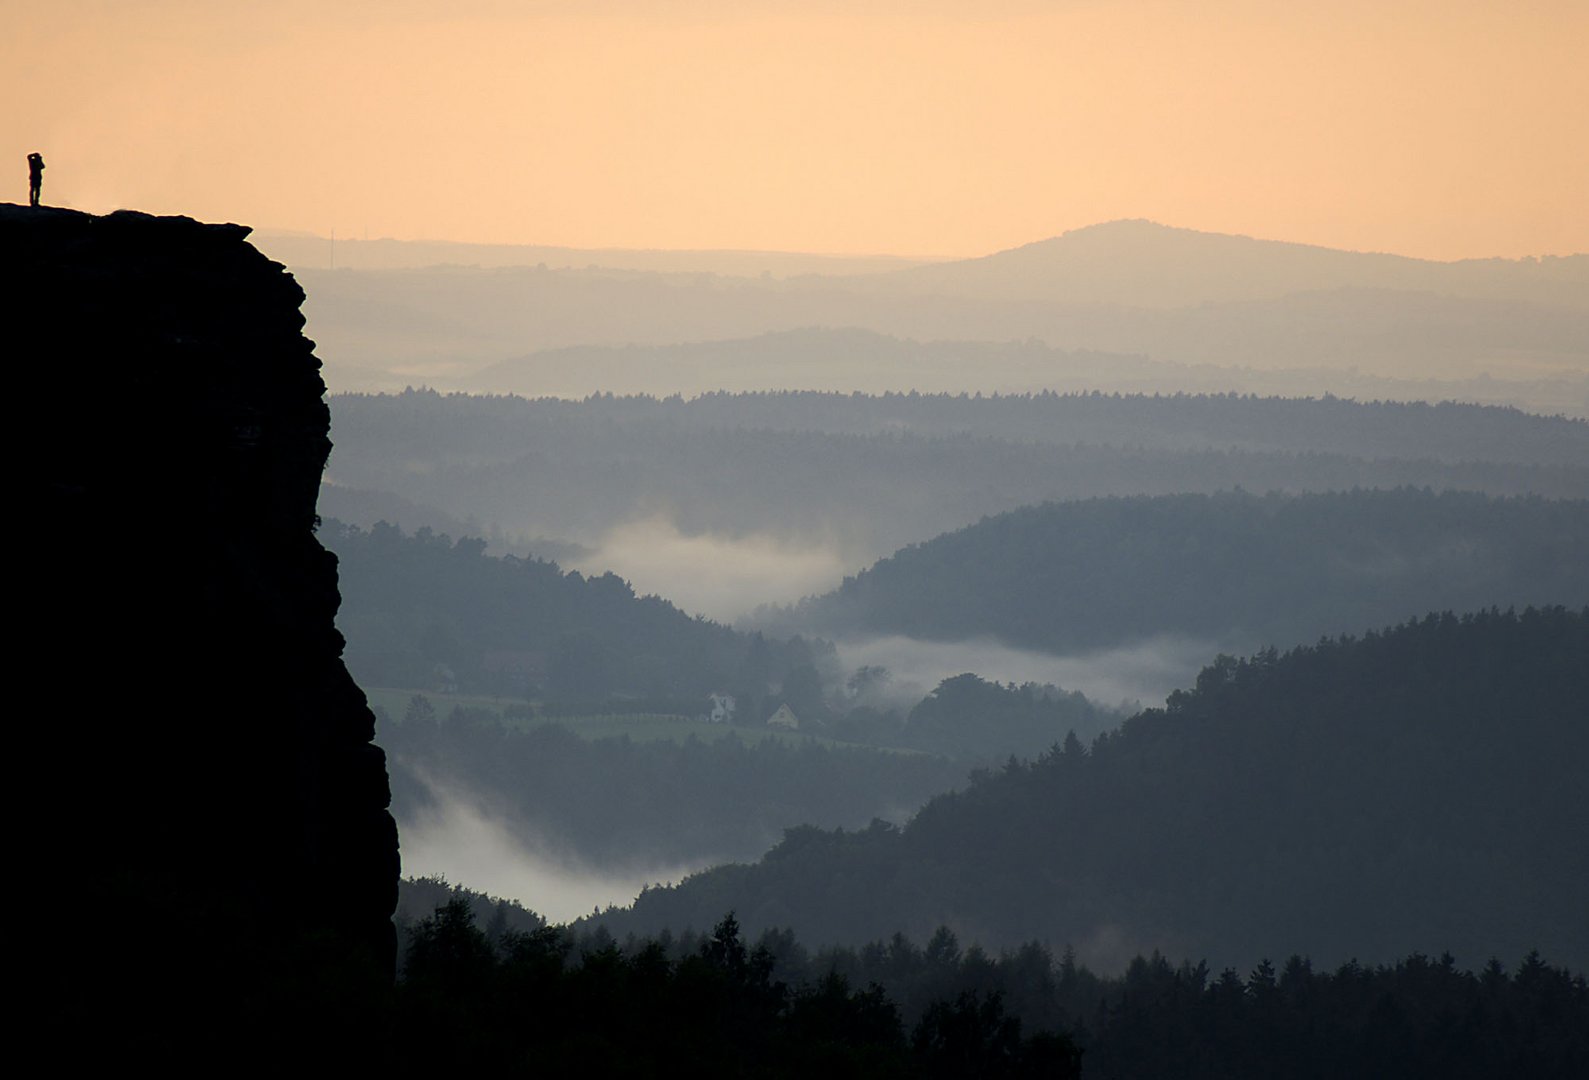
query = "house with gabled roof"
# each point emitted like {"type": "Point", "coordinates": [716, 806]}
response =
{"type": "Point", "coordinates": [784, 718]}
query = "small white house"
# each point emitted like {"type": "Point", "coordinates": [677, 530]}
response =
{"type": "Point", "coordinates": [784, 718]}
{"type": "Point", "coordinates": [722, 708]}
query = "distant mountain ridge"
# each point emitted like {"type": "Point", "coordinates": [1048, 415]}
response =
{"type": "Point", "coordinates": [1314, 310]}
{"type": "Point", "coordinates": [1141, 263]}
{"type": "Point", "coordinates": [1161, 265]}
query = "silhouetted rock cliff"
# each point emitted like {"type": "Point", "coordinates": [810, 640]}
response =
{"type": "Point", "coordinates": [207, 794]}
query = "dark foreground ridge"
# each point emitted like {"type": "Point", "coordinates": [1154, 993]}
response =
{"type": "Point", "coordinates": [1419, 788]}
{"type": "Point", "coordinates": [179, 408]}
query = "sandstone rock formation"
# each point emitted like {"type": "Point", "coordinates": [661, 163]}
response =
{"type": "Point", "coordinates": [207, 802]}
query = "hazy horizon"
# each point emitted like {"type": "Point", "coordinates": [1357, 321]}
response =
{"type": "Point", "coordinates": [1438, 130]}
{"type": "Point", "coordinates": [267, 236]}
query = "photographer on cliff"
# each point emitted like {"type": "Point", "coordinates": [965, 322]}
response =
{"type": "Point", "coordinates": [35, 177]}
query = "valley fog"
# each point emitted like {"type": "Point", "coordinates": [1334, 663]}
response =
{"type": "Point", "coordinates": [1031, 539]}
{"type": "Point", "coordinates": [457, 838]}
{"type": "Point", "coordinates": [721, 577]}
{"type": "Point", "coordinates": [1130, 677]}
{"type": "Point", "coordinates": [728, 578]}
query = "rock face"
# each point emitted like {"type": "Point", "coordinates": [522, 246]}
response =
{"type": "Point", "coordinates": [209, 804]}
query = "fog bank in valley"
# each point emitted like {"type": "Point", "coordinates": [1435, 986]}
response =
{"type": "Point", "coordinates": [727, 578]}
{"type": "Point", "coordinates": [1142, 673]}
{"type": "Point", "coordinates": [710, 574]}
{"type": "Point", "coordinates": [456, 838]}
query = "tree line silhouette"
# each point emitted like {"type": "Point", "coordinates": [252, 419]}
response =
{"type": "Point", "coordinates": [563, 999]}
{"type": "Point", "coordinates": [881, 472]}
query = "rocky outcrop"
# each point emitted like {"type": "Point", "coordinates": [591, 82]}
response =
{"type": "Point", "coordinates": [208, 799]}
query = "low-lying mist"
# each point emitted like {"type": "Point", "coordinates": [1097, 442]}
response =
{"type": "Point", "coordinates": [456, 838]}
{"type": "Point", "coordinates": [721, 577]}
{"type": "Point", "coordinates": [728, 577]}
{"type": "Point", "coordinates": [1141, 673]}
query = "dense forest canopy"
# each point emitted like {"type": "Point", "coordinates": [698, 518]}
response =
{"type": "Point", "coordinates": [849, 360]}
{"type": "Point", "coordinates": [864, 475]}
{"type": "Point", "coordinates": [486, 982]}
{"type": "Point", "coordinates": [1415, 788]}
{"type": "Point", "coordinates": [1447, 432]}
{"type": "Point", "coordinates": [427, 613]}
{"type": "Point", "coordinates": [619, 803]}
{"type": "Point", "coordinates": [615, 803]}
{"type": "Point", "coordinates": [422, 610]}
{"type": "Point", "coordinates": [1240, 569]}
{"type": "Point", "coordinates": [448, 614]}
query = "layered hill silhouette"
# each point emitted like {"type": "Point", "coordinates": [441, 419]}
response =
{"type": "Point", "coordinates": [1176, 296]}
{"type": "Point", "coordinates": [823, 358]}
{"type": "Point", "coordinates": [210, 810]}
{"type": "Point", "coordinates": [1418, 788]}
{"type": "Point", "coordinates": [422, 611]}
{"type": "Point", "coordinates": [871, 474]}
{"type": "Point", "coordinates": [1231, 567]}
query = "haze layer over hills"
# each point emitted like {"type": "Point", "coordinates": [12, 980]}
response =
{"type": "Point", "coordinates": [1331, 320]}
{"type": "Point", "coordinates": [526, 773]}
{"type": "Point", "coordinates": [652, 482]}
{"type": "Point", "coordinates": [859, 553]}
{"type": "Point", "coordinates": [726, 502]}
{"type": "Point", "coordinates": [1075, 533]}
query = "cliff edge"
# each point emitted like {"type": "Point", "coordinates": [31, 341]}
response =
{"type": "Point", "coordinates": [207, 798]}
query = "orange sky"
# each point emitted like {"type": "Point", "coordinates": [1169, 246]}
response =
{"type": "Point", "coordinates": [1440, 129]}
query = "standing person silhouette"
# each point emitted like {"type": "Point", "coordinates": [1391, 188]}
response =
{"type": "Point", "coordinates": [35, 177]}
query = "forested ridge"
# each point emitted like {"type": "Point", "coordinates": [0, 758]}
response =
{"type": "Point", "coordinates": [1417, 788]}
{"type": "Point", "coordinates": [1242, 569]}
{"type": "Point", "coordinates": [424, 609]}
{"type": "Point", "coordinates": [487, 985]}
{"type": "Point", "coordinates": [870, 474]}
{"type": "Point", "coordinates": [424, 612]}
{"type": "Point", "coordinates": [1450, 432]}
{"type": "Point", "coordinates": [616, 802]}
